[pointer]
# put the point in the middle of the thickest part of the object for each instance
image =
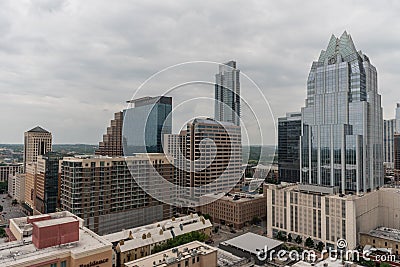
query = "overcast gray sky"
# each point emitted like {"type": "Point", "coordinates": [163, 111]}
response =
{"type": "Point", "coordinates": [69, 65]}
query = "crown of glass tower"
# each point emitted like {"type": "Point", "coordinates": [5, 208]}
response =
{"type": "Point", "coordinates": [342, 142]}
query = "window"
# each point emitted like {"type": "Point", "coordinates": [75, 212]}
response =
{"type": "Point", "coordinates": [64, 264]}
{"type": "Point", "coordinates": [53, 265]}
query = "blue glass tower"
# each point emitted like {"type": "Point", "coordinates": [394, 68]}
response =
{"type": "Point", "coordinates": [145, 123]}
{"type": "Point", "coordinates": [342, 142]}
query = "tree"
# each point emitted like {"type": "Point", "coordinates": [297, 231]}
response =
{"type": "Point", "coordinates": [180, 240]}
{"type": "Point", "coordinates": [207, 216]}
{"type": "Point", "coordinates": [309, 242]}
{"type": "Point", "coordinates": [2, 232]}
{"type": "Point", "coordinates": [14, 202]}
{"type": "Point", "coordinates": [1, 208]}
{"type": "Point", "coordinates": [384, 264]}
{"type": "Point", "coordinates": [255, 220]}
{"type": "Point", "coordinates": [320, 246]}
{"type": "Point", "coordinates": [289, 238]}
{"type": "Point", "coordinates": [216, 229]}
{"type": "Point", "coordinates": [298, 240]}
{"type": "Point", "coordinates": [281, 236]}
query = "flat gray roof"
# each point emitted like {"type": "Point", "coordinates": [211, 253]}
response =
{"type": "Point", "coordinates": [252, 243]}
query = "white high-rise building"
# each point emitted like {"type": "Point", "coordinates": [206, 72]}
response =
{"type": "Point", "coordinates": [389, 128]}
{"type": "Point", "coordinates": [227, 93]}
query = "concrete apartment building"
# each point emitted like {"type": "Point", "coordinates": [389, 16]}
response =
{"type": "Point", "coordinates": [9, 169]}
{"type": "Point", "coordinates": [37, 141]}
{"type": "Point", "coordinates": [16, 187]}
{"type": "Point", "coordinates": [194, 254]}
{"type": "Point", "coordinates": [137, 243]}
{"type": "Point", "coordinates": [105, 193]}
{"type": "Point", "coordinates": [56, 239]}
{"type": "Point", "coordinates": [237, 209]}
{"type": "Point", "coordinates": [324, 215]}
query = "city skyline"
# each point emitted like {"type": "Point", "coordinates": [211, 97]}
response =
{"type": "Point", "coordinates": [66, 57]}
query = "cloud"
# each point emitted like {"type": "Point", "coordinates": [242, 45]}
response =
{"type": "Point", "coordinates": [68, 65]}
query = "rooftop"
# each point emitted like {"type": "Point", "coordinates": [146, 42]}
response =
{"type": "Point", "coordinates": [236, 197]}
{"type": "Point", "coordinates": [325, 263]}
{"type": "Point", "coordinates": [23, 251]}
{"type": "Point", "coordinates": [226, 258]}
{"type": "Point", "coordinates": [157, 232]}
{"type": "Point", "coordinates": [386, 233]}
{"type": "Point", "coordinates": [38, 129]}
{"type": "Point", "coordinates": [174, 255]}
{"type": "Point", "coordinates": [252, 243]}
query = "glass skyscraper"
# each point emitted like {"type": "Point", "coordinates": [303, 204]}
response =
{"type": "Point", "coordinates": [145, 124]}
{"type": "Point", "coordinates": [289, 131]}
{"type": "Point", "coordinates": [342, 142]}
{"type": "Point", "coordinates": [227, 93]}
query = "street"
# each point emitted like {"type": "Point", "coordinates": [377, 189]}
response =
{"type": "Point", "coordinates": [9, 211]}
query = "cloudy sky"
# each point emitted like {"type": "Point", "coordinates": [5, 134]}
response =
{"type": "Point", "coordinates": [68, 65]}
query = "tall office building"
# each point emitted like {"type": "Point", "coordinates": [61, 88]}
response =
{"type": "Point", "coordinates": [105, 193]}
{"type": "Point", "coordinates": [342, 142]}
{"type": "Point", "coordinates": [138, 129]}
{"type": "Point", "coordinates": [227, 93]}
{"type": "Point", "coordinates": [30, 187]}
{"type": "Point", "coordinates": [214, 150]}
{"type": "Point", "coordinates": [389, 128]}
{"type": "Point", "coordinates": [289, 131]}
{"type": "Point", "coordinates": [175, 150]}
{"type": "Point", "coordinates": [397, 118]}
{"type": "Point", "coordinates": [396, 156]}
{"type": "Point", "coordinates": [47, 182]}
{"type": "Point", "coordinates": [207, 158]}
{"type": "Point", "coordinates": [145, 123]}
{"type": "Point", "coordinates": [37, 141]}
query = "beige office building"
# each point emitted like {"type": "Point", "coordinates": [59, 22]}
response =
{"type": "Point", "coordinates": [37, 141]}
{"type": "Point", "coordinates": [194, 254]}
{"type": "Point", "coordinates": [237, 209]}
{"type": "Point", "coordinates": [324, 215]}
{"type": "Point", "coordinates": [30, 186]}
